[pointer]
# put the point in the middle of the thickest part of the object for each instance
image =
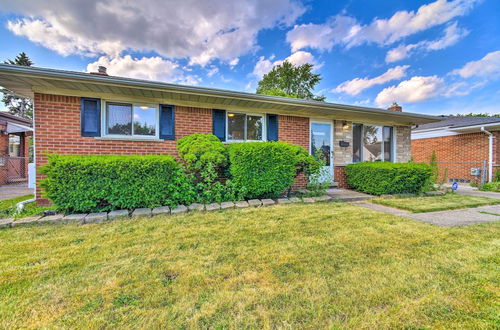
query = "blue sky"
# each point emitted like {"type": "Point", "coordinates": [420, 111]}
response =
{"type": "Point", "coordinates": [434, 57]}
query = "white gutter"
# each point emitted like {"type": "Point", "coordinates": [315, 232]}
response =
{"type": "Point", "coordinates": [490, 153]}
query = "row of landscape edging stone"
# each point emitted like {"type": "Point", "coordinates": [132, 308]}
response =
{"type": "Point", "coordinates": [100, 217]}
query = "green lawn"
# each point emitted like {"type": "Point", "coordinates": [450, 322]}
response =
{"type": "Point", "coordinates": [436, 203]}
{"type": "Point", "coordinates": [8, 208]}
{"type": "Point", "coordinates": [288, 266]}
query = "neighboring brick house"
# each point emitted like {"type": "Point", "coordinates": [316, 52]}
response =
{"type": "Point", "coordinates": [15, 135]}
{"type": "Point", "coordinates": [81, 113]}
{"type": "Point", "coordinates": [467, 147]}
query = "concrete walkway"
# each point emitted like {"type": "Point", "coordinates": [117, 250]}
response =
{"type": "Point", "coordinates": [449, 218]}
{"type": "Point", "coordinates": [474, 192]}
{"type": "Point", "coordinates": [11, 191]}
{"type": "Point", "coordinates": [346, 195]}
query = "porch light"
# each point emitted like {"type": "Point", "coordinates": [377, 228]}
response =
{"type": "Point", "coordinates": [230, 114]}
{"type": "Point", "coordinates": [144, 107]}
{"type": "Point", "coordinates": [345, 125]}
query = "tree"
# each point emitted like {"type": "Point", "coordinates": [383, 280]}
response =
{"type": "Point", "coordinates": [478, 115]}
{"type": "Point", "coordinates": [19, 106]}
{"type": "Point", "coordinates": [289, 80]}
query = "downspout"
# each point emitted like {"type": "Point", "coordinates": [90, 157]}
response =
{"type": "Point", "coordinates": [490, 153]}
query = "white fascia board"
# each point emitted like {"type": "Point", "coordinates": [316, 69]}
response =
{"type": "Point", "coordinates": [426, 134]}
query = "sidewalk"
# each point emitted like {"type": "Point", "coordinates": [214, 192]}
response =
{"type": "Point", "coordinates": [451, 218]}
{"type": "Point", "coordinates": [473, 192]}
{"type": "Point", "coordinates": [11, 191]}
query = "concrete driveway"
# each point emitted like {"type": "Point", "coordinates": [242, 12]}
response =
{"type": "Point", "coordinates": [11, 191]}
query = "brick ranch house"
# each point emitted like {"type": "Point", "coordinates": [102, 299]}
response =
{"type": "Point", "coordinates": [93, 113]}
{"type": "Point", "coordinates": [468, 147]}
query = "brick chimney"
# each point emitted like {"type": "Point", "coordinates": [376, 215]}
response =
{"type": "Point", "coordinates": [395, 107]}
{"type": "Point", "coordinates": [101, 71]}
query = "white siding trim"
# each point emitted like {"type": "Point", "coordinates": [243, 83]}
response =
{"type": "Point", "coordinates": [431, 134]}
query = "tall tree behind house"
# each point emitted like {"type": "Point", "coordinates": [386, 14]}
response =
{"type": "Point", "coordinates": [19, 106]}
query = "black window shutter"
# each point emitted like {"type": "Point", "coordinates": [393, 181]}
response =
{"type": "Point", "coordinates": [167, 122]}
{"type": "Point", "coordinates": [219, 124]}
{"type": "Point", "coordinates": [272, 127]}
{"type": "Point", "coordinates": [90, 117]}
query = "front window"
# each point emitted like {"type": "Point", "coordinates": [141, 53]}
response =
{"type": "Point", "coordinates": [244, 127]}
{"type": "Point", "coordinates": [372, 143]}
{"type": "Point", "coordinates": [131, 119]}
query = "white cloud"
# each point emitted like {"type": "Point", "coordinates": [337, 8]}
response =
{"type": "Point", "coordinates": [265, 65]}
{"type": "Point", "coordinates": [357, 85]}
{"type": "Point", "coordinates": [195, 29]}
{"type": "Point", "coordinates": [234, 62]}
{"type": "Point", "coordinates": [347, 31]}
{"type": "Point", "coordinates": [416, 89]}
{"type": "Point", "coordinates": [321, 36]}
{"type": "Point", "coordinates": [488, 67]}
{"type": "Point", "coordinates": [452, 34]}
{"type": "Point", "coordinates": [150, 68]}
{"type": "Point", "coordinates": [212, 70]}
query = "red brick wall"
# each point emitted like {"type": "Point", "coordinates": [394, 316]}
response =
{"type": "Point", "coordinates": [340, 177]}
{"type": "Point", "coordinates": [295, 130]}
{"type": "Point", "coordinates": [458, 153]}
{"type": "Point", "coordinates": [57, 130]}
{"type": "Point", "coordinates": [57, 127]}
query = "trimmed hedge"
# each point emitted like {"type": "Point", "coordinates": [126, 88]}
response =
{"type": "Point", "coordinates": [379, 178]}
{"type": "Point", "coordinates": [262, 169]}
{"type": "Point", "coordinates": [108, 182]}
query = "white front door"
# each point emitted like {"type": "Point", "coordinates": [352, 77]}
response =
{"type": "Point", "coordinates": [322, 143]}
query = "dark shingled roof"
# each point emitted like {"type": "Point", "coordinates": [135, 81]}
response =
{"type": "Point", "coordinates": [457, 121]}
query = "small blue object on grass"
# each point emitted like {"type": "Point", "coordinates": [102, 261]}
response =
{"type": "Point", "coordinates": [454, 186]}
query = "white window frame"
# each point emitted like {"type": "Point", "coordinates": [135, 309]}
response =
{"type": "Point", "coordinates": [264, 126]}
{"type": "Point", "coordinates": [393, 140]}
{"type": "Point", "coordinates": [104, 123]}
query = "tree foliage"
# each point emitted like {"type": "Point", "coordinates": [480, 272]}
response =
{"type": "Point", "coordinates": [471, 114]}
{"type": "Point", "coordinates": [19, 106]}
{"type": "Point", "coordinates": [289, 80]}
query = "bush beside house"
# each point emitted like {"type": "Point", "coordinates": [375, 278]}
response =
{"type": "Point", "coordinates": [108, 182]}
{"type": "Point", "coordinates": [211, 172]}
{"type": "Point", "coordinates": [378, 178]}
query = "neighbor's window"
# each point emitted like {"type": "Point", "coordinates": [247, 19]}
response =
{"type": "Point", "coordinates": [14, 144]}
{"type": "Point", "coordinates": [131, 119]}
{"type": "Point", "coordinates": [372, 143]}
{"type": "Point", "coordinates": [244, 127]}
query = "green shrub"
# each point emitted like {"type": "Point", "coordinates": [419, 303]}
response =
{"type": "Point", "coordinates": [266, 169]}
{"type": "Point", "coordinates": [103, 183]}
{"type": "Point", "coordinates": [379, 178]}
{"type": "Point", "coordinates": [491, 186]}
{"type": "Point", "coordinates": [496, 176]}
{"type": "Point", "coordinates": [206, 160]}
{"type": "Point", "coordinates": [198, 150]}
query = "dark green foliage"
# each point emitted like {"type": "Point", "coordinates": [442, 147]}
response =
{"type": "Point", "coordinates": [103, 183]}
{"type": "Point", "coordinates": [198, 150]}
{"type": "Point", "coordinates": [267, 169]}
{"type": "Point", "coordinates": [19, 106]}
{"type": "Point", "coordinates": [288, 80]}
{"type": "Point", "coordinates": [206, 160]}
{"type": "Point", "coordinates": [496, 176]}
{"type": "Point", "coordinates": [491, 186]}
{"type": "Point", "coordinates": [379, 178]}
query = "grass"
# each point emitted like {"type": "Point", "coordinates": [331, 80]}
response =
{"type": "Point", "coordinates": [8, 208]}
{"type": "Point", "coordinates": [449, 201]}
{"type": "Point", "coordinates": [288, 266]}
